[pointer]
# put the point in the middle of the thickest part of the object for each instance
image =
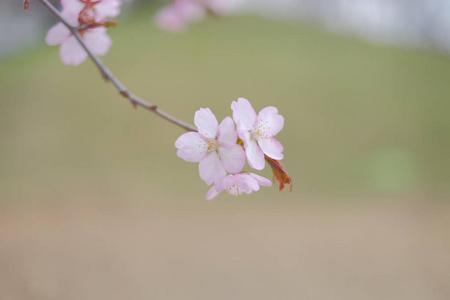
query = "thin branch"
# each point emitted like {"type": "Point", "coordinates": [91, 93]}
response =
{"type": "Point", "coordinates": [108, 75]}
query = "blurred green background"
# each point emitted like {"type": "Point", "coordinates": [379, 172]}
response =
{"type": "Point", "coordinates": [95, 204]}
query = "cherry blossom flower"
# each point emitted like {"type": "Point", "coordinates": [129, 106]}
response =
{"type": "Point", "coordinates": [236, 184]}
{"type": "Point", "coordinates": [88, 13]}
{"type": "Point", "coordinates": [176, 16]}
{"type": "Point", "coordinates": [71, 52]}
{"type": "Point", "coordinates": [258, 131]}
{"type": "Point", "coordinates": [213, 147]}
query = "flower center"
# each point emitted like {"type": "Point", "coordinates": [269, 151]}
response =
{"type": "Point", "coordinates": [234, 190]}
{"type": "Point", "coordinates": [259, 131]}
{"type": "Point", "coordinates": [213, 145]}
{"type": "Point", "coordinates": [208, 145]}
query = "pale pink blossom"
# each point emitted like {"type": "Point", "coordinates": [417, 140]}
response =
{"type": "Point", "coordinates": [89, 12]}
{"type": "Point", "coordinates": [213, 147]}
{"type": "Point", "coordinates": [258, 131]}
{"type": "Point", "coordinates": [236, 184]}
{"type": "Point", "coordinates": [179, 14]}
{"type": "Point", "coordinates": [71, 52]}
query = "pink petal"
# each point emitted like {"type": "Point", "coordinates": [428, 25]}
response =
{"type": "Point", "coordinates": [71, 10]}
{"type": "Point", "coordinates": [272, 148]}
{"type": "Point", "coordinates": [191, 147]}
{"type": "Point", "coordinates": [71, 52]}
{"type": "Point", "coordinates": [212, 193]}
{"type": "Point", "coordinates": [233, 158]}
{"type": "Point", "coordinates": [206, 123]}
{"type": "Point", "coordinates": [247, 183]}
{"type": "Point", "coordinates": [57, 34]}
{"type": "Point", "coordinates": [270, 121]}
{"type": "Point", "coordinates": [64, 3]}
{"type": "Point", "coordinates": [97, 40]}
{"type": "Point", "coordinates": [244, 113]}
{"type": "Point", "coordinates": [244, 135]}
{"type": "Point", "coordinates": [211, 168]}
{"type": "Point", "coordinates": [107, 8]}
{"type": "Point", "coordinates": [72, 4]}
{"type": "Point", "coordinates": [227, 133]}
{"type": "Point", "coordinates": [231, 184]}
{"type": "Point", "coordinates": [261, 180]}
{"type": "Point", "coordinates": [255, 155]}
{"type": "Point", "coordinates": [226, 182]}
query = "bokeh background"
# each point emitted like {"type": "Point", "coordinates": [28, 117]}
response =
{"type": "Point", "coordinates": [95, 204]}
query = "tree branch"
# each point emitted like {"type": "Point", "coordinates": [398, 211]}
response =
{"type": "Point", "coordinates": [109, 76]}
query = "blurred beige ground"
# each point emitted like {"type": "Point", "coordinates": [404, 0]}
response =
{"type": "Point", "coordinates": [294, 251]}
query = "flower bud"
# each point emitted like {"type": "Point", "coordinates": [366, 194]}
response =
{"type": "Point", "coordinates": [86, 17]}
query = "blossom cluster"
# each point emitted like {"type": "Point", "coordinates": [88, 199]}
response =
{"type": "Point", "coordinates": [89, 17]}
{"type": "Point", "coordinates": [223, 148]}
{"type": "Point", "coordinates": [179, 14]}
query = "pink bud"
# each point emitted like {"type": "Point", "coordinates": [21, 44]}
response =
{"type": "Point", "coordinates": [86, 16]}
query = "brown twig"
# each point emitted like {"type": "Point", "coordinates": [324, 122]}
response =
{"type": "Point", "coordinates": [109, 76]}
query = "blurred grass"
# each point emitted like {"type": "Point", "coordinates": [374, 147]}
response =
{"type": "Point", "coordinates": [360, 119]}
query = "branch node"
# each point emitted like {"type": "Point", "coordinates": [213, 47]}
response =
{"type": "Point", "coordinates": [126, 94]}
{"type": "Point", "coordinates": [105, 76]}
